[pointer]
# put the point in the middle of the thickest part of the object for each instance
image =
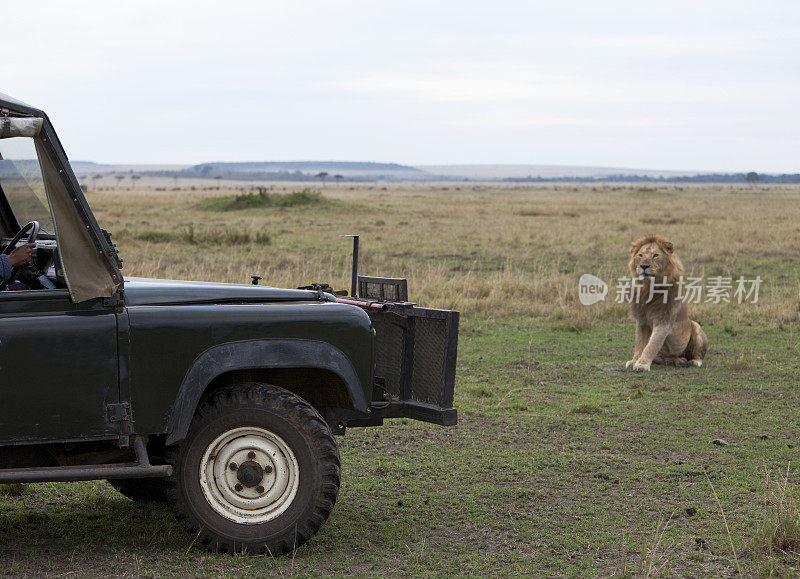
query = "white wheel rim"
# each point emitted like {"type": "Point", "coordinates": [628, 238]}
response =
{"type": "Point", "coordinates": [230, 479]}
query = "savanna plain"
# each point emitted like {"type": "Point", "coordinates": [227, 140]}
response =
{"type": "Point", "coordinates": [563, 463]}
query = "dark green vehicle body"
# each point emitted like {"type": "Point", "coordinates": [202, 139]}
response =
{"type": "Point", "coordinates": [137, 356]}
{"type": "Point", "coordinates": [63, 365]}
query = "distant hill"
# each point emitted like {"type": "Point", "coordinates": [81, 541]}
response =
{"type": "Point", "coordinates": [92, 168]}
{"type": "Point", "coordinates": [345, 168]}
{"type": "Point", "coordinates": [307, 171]}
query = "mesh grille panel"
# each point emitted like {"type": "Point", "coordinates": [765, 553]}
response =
{"type": "Point", "coordinates": [389, 355]}
{"type": "Point", "coordinates": [429, 349]}
{"type": "Point", "coordinates": [415, 354]}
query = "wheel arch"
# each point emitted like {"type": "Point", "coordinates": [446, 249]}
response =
{"type": "Point", "coordinates": [316, 371]}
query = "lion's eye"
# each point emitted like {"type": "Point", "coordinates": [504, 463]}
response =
{"type": "Point", "coordinates": [655, 255]}
{"type": "Point", "coordinates": [640, 255]}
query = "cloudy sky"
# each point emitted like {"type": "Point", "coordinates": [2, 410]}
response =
{"type": "Point", "coordinates": [691, 85]}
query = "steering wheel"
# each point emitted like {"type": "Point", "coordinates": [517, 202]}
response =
{"type": "Point", "coordinates": [34, 228]}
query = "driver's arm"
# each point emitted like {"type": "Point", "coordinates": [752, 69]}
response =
{"type": "Point", "coordinates": [20, 256]}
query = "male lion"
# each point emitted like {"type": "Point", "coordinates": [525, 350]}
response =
{"type": "Point", "coordinates": [664, 332]}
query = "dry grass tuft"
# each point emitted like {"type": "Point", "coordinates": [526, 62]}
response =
{"type": "Point", "coordinates": [654, 555]}
{"type": "Point", "coordinates": [724, 520]}
{"type": "Point", "coordinates": [780, 530]}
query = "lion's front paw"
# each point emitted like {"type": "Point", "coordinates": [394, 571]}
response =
{"type": "Point", "coordinates": [638, 367]}
{"type": "Point", "coordinates": [629, 363]}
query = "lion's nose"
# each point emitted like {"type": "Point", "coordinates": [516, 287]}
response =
{"type": "Point", "coordinates": [644, 266]}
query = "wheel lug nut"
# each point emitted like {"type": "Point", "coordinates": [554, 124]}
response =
{"type": "Point", "coordinates": [260, 489]}
{"type": "Point", "coordinates": [234, 466]}
{"type": "Point", "coordinates": [268, 469]}
{"type": "Point", "coordinates": [251, 455]}
{"type": "Point", "coordinates": [238, 488]}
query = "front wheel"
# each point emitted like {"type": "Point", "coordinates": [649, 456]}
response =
{"type": "Point", "coordinates": [258, 472]}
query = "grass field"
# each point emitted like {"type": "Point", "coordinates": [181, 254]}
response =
{"type": "Point", "coordinates": [562, 462]}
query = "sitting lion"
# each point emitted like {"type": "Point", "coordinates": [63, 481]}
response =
{"type": "Point", "coordinates": [664, 332]}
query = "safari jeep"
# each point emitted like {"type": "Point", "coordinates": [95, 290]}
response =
{"type": "Point", "coordinates": [220, 399]}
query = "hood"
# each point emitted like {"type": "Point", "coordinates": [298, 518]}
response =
{"type": "Point", "coordinates": [148, 292]}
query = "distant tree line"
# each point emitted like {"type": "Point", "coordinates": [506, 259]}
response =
{"type": "Point", "coordinates": [751, 177]}
{"type": "Point", "coordinates": [253, 175]}
{"type": "Point", "coordinates": [209, 172]}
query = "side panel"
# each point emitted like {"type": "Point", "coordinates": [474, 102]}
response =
{"type": "Point", "coordinates": [58, 367]}
{"type": "Point", "coordinates": [165, 343]}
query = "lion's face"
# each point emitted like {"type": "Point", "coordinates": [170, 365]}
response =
{"type": "Point", "coordinates": [648, 261]}
{"type": "Point", "coordinates": [653, 257]}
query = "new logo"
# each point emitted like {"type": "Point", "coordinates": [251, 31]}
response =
{"type": "Point", "coordinates": [591, 289]}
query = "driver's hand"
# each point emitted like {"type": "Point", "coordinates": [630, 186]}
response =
{"type": "Point", "coordinates": [22, 255]}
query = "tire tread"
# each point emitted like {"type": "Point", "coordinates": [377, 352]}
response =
{"type": "Point", "coordinates": [305, 418]}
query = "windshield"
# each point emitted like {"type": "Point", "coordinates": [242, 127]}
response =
{"type": "Point", "coordinates": [22, 183]}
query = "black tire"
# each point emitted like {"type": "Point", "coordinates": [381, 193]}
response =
{"type": "Point", "coordinates": [142, 490]}
{"type": "Point", "coordinates": [242, 420]}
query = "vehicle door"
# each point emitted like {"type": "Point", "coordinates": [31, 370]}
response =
{"type": "Point", "coordinates": [58, 366]}
{"type": "Point", "coordinates": [58, 358]}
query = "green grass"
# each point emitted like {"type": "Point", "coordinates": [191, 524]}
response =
{"type": "Point", "coordinates": [242, 201]}
{"type": "Point", "coordinates": [587, 409]}
{"type": "Point", "coordinates": [13, 489]}
{"type": "Point", "coordinates": [562, 463]}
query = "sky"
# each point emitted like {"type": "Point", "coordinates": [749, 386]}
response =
{"type": "Point", "coordinates": [695, 85]}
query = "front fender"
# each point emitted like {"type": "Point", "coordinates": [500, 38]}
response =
{"type": "Point", "coordinates": [252, 354]}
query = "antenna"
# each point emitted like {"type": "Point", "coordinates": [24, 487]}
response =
{"type": "Point", "coordinates": [354, 276]}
